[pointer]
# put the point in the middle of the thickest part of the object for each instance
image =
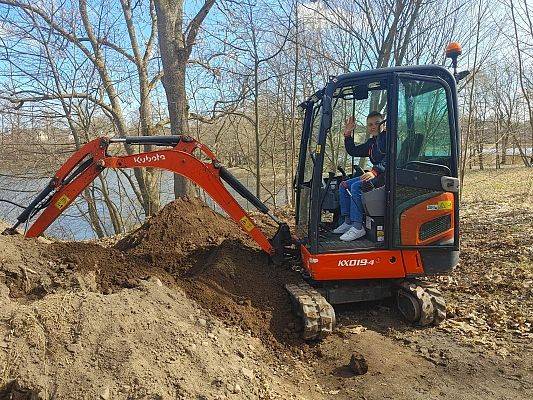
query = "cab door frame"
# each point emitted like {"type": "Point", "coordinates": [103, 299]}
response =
{"type": "Point", "coordinates": [320, 150]}
{"type": "Point", "coordinates": [423, 179]}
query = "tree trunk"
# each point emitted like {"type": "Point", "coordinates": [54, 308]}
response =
{"type": "Point", "coordinates": [175, 47]}
{"type": "Point", "coordinates": [178, 112]}
{"type": "Point", "coordinates": [496, 151]}
{"type": "Point", "coordinates": [523, 155]}
{"type": "Point", "coordinates": [525, 91]}
{"type": "Point", "coordinates": [256, 132]}
{"type": "Point", "coordinates": [93, 213]}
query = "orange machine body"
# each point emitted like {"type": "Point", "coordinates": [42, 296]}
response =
{"type": "Point", "coordinates": [386, 264]}
{"type": "Point", "coordinates": [372, 264]}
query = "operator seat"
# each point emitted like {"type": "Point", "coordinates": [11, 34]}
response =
{"type": "Point", "coordinates": [374, 200]}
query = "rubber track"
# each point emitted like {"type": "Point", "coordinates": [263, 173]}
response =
{"type": "Point", "coordinates": [432, 304]}
{"type": "Point", "coordinates": [317, 314]}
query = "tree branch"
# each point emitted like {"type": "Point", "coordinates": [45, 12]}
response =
{"type": "Point", "coordinates": [194, 25]}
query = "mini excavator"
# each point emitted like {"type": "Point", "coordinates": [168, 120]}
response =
{"type": "Point", "coordinates": [412, 222]}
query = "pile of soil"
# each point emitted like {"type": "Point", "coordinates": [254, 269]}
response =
{"type": "Point", "coordinates": [181, 230]}
{"type": "Point", "coordinates": [26, 274]}
{"type": "Point", "coordinates": [85, 321]}
{"type": "Point", "coordinates": [190, 246]}
{"type": "Point", "coordinates": [238, 285]}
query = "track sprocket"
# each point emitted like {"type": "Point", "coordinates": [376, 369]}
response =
{"type": "Point", "coordinates": [421, 303]}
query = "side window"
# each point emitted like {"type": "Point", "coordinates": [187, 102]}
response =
{"type": "Point", "coordinates": [344, 106]}
{"type": "Point", "coordinates": [313, 140]}
{"type": "Point", "coordinates": [423, 124]}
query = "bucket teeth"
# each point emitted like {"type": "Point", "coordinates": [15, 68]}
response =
{"type": "Point", "coordinates": [317, 314]}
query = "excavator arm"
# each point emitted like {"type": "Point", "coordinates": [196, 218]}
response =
{"type": "Point", "coordinates": [90, 160]}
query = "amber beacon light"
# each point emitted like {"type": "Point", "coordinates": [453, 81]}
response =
{"type": "Point", "coordinates": [453, 51]}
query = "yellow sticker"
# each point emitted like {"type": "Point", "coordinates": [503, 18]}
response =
{"type": "Point", "coordinates": [62, 202]}
{"type": "Point", "coordinates": [318, 148]}
{"type": "Point", "coordinates": [247, 224]}
{"type": "Point", "coordinates": [445, 205]}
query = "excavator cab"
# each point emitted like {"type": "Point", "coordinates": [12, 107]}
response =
{"type": "Point", "coordinates": [411, 221]}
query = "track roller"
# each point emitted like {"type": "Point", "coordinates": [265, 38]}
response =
{"type": "Point", "coordinates": [317, 314]}
{"type": "Point", "coordinates": [421, 303]}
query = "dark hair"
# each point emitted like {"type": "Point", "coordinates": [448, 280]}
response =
{"type": "Point", "coordinates": [374, 114]}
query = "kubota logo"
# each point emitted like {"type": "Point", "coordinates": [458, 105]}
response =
{"type": "Point", "coordinates": [362, 262]}
{"type": "Point", "coordinates": [147, 158]}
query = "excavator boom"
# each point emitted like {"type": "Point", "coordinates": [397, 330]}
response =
{"type": "Point", "coordinates": [91, 159]}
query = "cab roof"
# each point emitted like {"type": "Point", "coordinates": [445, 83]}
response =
{"type": "Point", "coordinates": [428, 70]}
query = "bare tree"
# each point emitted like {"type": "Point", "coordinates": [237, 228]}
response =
{"type": "Point", "coordinates": [176, 40]}
{"type": "Point", "coordinates": [86, 36]}
{"type": "Point", "coordinates": [526, 89]}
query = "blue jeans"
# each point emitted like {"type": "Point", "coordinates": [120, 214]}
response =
{"type": "Point", "coordinates": [352, 208]}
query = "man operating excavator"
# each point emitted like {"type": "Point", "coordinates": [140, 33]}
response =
{"type": "Point", "coordinates": [350, 191]}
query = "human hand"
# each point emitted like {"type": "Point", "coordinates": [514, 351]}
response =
{"type": "Point", "coordinates": [367, 176]}
{"type": "Point", "coordinates": [344, 185]}
{"type": "Point", "coordinates": [349, 126]}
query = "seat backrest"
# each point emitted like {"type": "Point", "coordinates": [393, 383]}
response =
{"type": "Point", "coordinates": [374, 202]}
{"type": "Point", "coordinates": [410, 149]}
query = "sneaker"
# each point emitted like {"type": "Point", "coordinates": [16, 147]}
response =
{"type": "Point", "coordinates": [352, 234]}
{"type": "Point", "coordinates": [342, 228]}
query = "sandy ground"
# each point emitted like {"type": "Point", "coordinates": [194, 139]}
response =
{"type": "Point", "coordinates": [176, 310]}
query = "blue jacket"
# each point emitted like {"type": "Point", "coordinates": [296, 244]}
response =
{"type": "Point", "coordinates": [374, 148]}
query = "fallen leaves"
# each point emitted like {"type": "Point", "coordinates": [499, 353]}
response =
{"type": "Point", "coordinates": [489, 297]}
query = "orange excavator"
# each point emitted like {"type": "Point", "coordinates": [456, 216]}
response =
{"type": "Point", "coordinates": [411, 221]}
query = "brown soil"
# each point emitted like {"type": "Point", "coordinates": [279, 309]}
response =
{"type": "Point", "coordinates": [240, 287]}
{"type": "Point", "coordinates": [187, 307]}
{"type": "Point", "coordinates": [189, 245]}
{"type": "Point", "coordinates": [106, 324]}
{"type": "Point", "coordinates": [181, 228]}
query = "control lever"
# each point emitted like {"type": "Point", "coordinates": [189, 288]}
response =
{"type": "Point", "coordinates": [342, 171]}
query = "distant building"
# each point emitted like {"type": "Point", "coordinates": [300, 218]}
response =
{"type": "Point", "coordinates": [316, 15]}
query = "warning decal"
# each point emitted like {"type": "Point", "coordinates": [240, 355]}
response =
{"type": "Point", "coordinates": [62, 202]}
{"type": "Point", "coordinates": [441, 205]}
{"type": "Point", "coordinates": [246, 223]}
{"type": "Point", "coordinates": [445, 205]}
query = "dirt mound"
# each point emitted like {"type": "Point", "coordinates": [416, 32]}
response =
{"type": "Point", "coordinates": [151, 342]}
{"type": "Point", "coordinates": [180, 228]}
{"type": "Point", "coordinates": [85, 321]}
{"type": "Point", "coordinates": [237, 284]}
{"type": "Point", "coordinates": [190, 246]}
{"type": "Point", "coordinates": [113, 270]}
{"type": "Point", "coordinates": [168, 244]}
{"type": "Point", "coordinates": [25, 274]}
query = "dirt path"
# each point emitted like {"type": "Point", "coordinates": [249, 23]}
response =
{"type": "Point", "coordinates": [187, 307]}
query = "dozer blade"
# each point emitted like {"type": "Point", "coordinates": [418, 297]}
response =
{"type": "Point", "coordinates": [317, 314]}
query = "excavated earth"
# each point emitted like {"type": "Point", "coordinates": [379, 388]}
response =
{"type": "Point", "coordinates": [190, 246]}
{"type": "Point", "coordinates": [187, 307]}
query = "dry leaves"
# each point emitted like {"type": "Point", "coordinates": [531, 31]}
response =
{"type": "Point", "coordinates": [489, 294]}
